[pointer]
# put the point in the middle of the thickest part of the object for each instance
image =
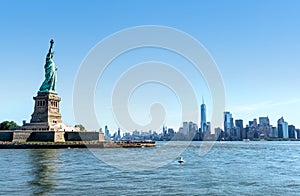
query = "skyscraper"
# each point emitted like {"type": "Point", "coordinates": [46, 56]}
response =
{"type": "Point", "coordinates": [228, 124]}
{"type": "Point", "coordinates": [264, 126]}
{"type": "Point", "coordinates": [239, 124]}
{"type": "Point", "coordinates": [107, 135]}
{"type": "Point", "coordinates": [119, 134]}
{"type": "Point", "coordinates": [264, 121]}
{"type": "Point", "coordinates": [283, 131]}
{"type": "Point", "coordinates": [274, 132]}
{"type": "Point", "coordinates": [164, 130]}
{"type": "Point", "coordinates": [203, 117]}
{"type": "Point", "coordinates": [280, 131]}
{"type": "Point", "coordinates": [292, 131]}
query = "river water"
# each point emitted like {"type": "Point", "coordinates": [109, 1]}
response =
{"type": "Point", "coordinates": [229, 168]}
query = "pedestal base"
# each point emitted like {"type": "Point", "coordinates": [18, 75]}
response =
{"type": "Point", "coordinates": [46, 112]}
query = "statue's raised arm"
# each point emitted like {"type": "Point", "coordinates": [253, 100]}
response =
{"type": "Point", "coordinates": [50, 72]}
{"type": "Point", "coordinates": [51, 46]}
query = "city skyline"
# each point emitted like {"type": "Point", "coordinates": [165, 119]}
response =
{"type": "Point", "coordinates": [253, 130]}
{"type": "Point", "coordinates": [254, 44]}
{"type": "Point", "coordinates": [236, 127]}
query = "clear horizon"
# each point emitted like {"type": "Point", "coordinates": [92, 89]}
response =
{"type": "Point", "coordinates": [254, 43]}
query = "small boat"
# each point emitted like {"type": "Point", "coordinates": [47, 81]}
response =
{"type": "Point", "coordinates": [246, 140]}
{"type": "Point", "coordinates": [180, 160]}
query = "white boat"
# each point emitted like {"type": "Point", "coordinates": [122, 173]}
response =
{"type": "Point", "coordinates": [180, 160]}
{"type": "Point", "coordinates": [246, 140]}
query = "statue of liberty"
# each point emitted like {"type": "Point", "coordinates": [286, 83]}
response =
{"type": "Point", "coordinates": [50, 72]}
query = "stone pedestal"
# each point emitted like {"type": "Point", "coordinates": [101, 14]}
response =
{"type": "Point", "coordinates": [46, 112]}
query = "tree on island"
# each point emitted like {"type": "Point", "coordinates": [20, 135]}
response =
{"type": "Point", "coordinates": [81, 127]}
{"type": "Point", "coordinates": [6, 125]}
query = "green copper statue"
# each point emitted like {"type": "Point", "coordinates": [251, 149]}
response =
{"type": "Point", "coordinates": [50, 72]}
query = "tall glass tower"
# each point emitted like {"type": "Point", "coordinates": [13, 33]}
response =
{"type": "Point", "coordinates": [228, 124]}
{"type": "Point", "coordinates": [203, 117]}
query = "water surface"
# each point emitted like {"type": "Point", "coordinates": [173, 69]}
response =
{"type": "Point", "coordinates": [229, 168]}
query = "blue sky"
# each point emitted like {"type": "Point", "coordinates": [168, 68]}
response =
{"type": "Point", "coordinates": [255, 44]}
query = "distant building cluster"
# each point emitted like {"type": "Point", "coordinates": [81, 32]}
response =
{"type": "Point", "coordinates": [256, 129]}
{"type": "Point", "coordinates": [233, 130]}
{"type": "Point", "coordinates": [135, 135]}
